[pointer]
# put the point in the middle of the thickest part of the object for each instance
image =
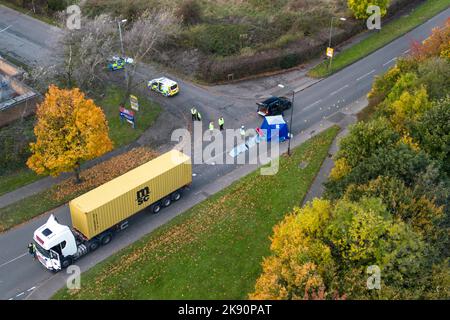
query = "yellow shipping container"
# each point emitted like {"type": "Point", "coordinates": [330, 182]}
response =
{"type": "Point", "coordinates": [122, 197]}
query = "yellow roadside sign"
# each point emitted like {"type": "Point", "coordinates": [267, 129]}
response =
{"type": "Point", "coordinates": [330, 52]}
{"type": "Point", "coordinates": [134, 102]}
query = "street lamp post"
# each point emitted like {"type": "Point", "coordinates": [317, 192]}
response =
{"type": "Point", "coordinates": [119, 23]}
{"type": "Point", "coordinates": [331, 34]}
{"type": "Point", "coordinates": [290, 120]}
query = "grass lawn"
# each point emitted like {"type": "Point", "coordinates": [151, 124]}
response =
{"type": "Point", "coordinates": [122, 133]}
{"type": "Point", "coordinates": [215, 249]}
{"type": "Point", "coordinates": [16, 180]}
{"type": "Point", "coordinates": [26, 209]}
{"type": "Point", "coordinates": [388, 33]}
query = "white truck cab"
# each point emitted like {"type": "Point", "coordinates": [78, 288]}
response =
{"type": "Point", "coordinates": [57, 245]}
{"type": "Point", "coordinates": [54, 242]}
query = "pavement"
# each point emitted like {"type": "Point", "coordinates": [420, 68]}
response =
{"type": "Point", "coordinates": [317, 106]}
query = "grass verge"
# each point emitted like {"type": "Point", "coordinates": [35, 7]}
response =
{"type": "Point", "coordinates": [388, 33]}
{"type": "Point", "coordinates": [121, 133]}
{"type": "Point", "coordinates": [16, 180]}
{"type": "Point", "coordinates": [215, 249]}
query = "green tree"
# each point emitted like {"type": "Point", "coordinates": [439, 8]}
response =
{"type": "Point", "coordinates": [403, 203]}
{"type": "Point", "coordinates": [359, 7]}
{"type": "Point", "coordinates": [399, 161]}
{"type": "Point", "coordinates": [406, 82]}
{"type": "Point", "coordinates": [434, 74]}
{"type": "Point", "coordinates": [326, 247]}
{"type": "Point", "coordinates": [432, 131]}
{"type": "Point", "coordinates": [408, 108]}
{"type": "Point", "coordinates": [364, 139]}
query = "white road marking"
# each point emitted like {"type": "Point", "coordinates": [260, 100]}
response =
{"type": "Point", "coordinates": [311, 105]}
{"type": "Point", "coordinates": [20, 294]}
{"type": "Point", "coordinates": [6, 28]}
{"type": "Point", "coordinates": [32, 288]}
{"type": "Point", "coordinates": [392, 60]}
{"type": "Point", "coordinates": [10, 298]}
{"type": "Point", "coordinates": [339, 90]}
{"type": "Point", "coordinates": [407, 51]}
{"type": "Point", "coordinates": [367, 74]}
{"type": "Point", "coordinates": [8, 262]}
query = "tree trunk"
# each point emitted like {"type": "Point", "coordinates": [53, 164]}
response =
{"type": "Point", "coordinates": [77, 174]}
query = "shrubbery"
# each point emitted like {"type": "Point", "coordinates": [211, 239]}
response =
{"type": "Point", "coordinates": [14, 144]}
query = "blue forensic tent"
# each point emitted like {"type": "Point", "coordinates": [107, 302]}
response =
{"type": "Point", "coordinates": [275, 126]}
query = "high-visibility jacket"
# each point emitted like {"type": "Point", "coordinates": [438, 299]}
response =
{"type": "Point", "coordinates": [242, 132]}
{"type": "Point", "coordinates": [193, 111]}
{"type": "Point", "coordinates": [199, 116]}
{"type": "Point", "coordinates": [211, 126]}
{"type": "Point", "coordinates": [221, 122]}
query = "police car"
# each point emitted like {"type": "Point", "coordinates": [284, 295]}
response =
{"type": "Point", "coordinates": [164, 86]}
{"type": "Point", "coordinates": [117, 63]}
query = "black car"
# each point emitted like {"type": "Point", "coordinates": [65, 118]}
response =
{"type": "Point", "coordinates": [273, 106]}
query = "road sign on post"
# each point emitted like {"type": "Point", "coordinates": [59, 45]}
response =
{"type": "Point", "coordinates": [134, 102]}
{"type": "Point", "coordinates": [128, 115]}
{"type": "Point", "coordinates": [330, 52]}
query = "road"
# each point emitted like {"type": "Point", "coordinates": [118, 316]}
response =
{"type": "Point", "coordinates": [26, 39]}
{"type": "Point", "coordinates": [21, 278]}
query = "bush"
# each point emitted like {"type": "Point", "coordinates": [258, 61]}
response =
{"type": "Point", "coordinates": [216, 70]}
{"type": "Point", "coordinates": [14, 145]}
{"type": "Point", "coordinates": [57, 5]}
{"type": "Point", "coordinates": [190, 12]}
{"type": "Point", "coordinates": [219, 39]}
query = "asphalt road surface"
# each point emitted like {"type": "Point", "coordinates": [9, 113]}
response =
{"type": "Point", "coordinates": [26, 39]}
{"type": "Point", "coordinates": [22, 278]}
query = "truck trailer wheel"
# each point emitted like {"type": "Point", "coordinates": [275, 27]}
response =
{"type": "Point", "coordinates": [106, 238]}
{"type": "Point", "coordinates": [156, 208]}
{"type": "Point", "coordinates": [176, 196]}
{"type": "Point", "coordinates": [166, 202]}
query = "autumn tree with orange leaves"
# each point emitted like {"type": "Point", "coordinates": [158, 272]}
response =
{"type": "Point", "coordinates": [438, 44]}
{"type": "Point", "coordinates": [70, 129]}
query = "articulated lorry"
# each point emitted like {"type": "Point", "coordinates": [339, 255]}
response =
{"type": "Point", "coordinates": [99, 213]}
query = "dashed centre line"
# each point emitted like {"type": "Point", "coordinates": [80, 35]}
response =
{"type": "Point", "coordinates": [16, 258]}
{"type": "Point", "coordinates": [339, 90]}
{"type": "Point", "coordinates": [315, 103]}
{"type": "Point", "coordinates": [390, 61]}
{"type": "Point", "coordinates": [367, 74]}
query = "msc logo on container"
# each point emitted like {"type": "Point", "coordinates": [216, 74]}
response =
{"type": "Point", "coordinates": [143, 195]}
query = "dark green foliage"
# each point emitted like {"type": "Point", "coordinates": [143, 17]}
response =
{"type": "Point", "coordinates": [433, 132]}
{"type": "Point", "coordinates": [399, 161]}
{"type": "Point", "coordinates": [434, 74]}
{"type": "Point", "coordinates": [364, 139]}
{"type": "Point", "coordinates": [190, 11]}
{"type": "Point", "coordinates": [14, 144]}
{"type": "Point", "coordinates": [219, 39]}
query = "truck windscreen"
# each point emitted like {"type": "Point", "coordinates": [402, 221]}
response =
{"type": "Point", "coordinates": [44, 252]}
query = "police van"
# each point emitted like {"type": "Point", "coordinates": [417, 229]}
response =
{"type": "Point", "coordinates": [164, 86]}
